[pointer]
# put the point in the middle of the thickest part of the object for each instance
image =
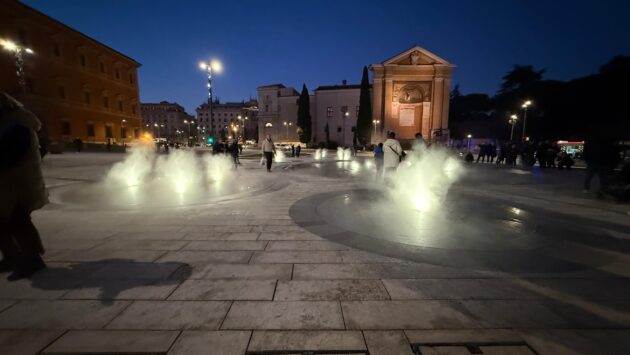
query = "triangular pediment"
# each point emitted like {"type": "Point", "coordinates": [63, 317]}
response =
{"type": "Point", "coordinates": [416, 55]}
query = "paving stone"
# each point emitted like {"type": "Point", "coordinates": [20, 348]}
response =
{"type": "Point", "coordinates": [387, 342]}
{"type": "Point", "coordinates": [60, 314]}
{"type": "Point", "coordinates": [244, 271]}
{"type": "Point", "coordinates": [26, 342]}
{"type": "Point", "coordinates": [425, 271]}
{"type": "Point", "coordinates": [360, 257]}
{"type": "Point", "coordinates": [289, 236]}
{"type": "Point", "coordinates": [195, 342]}
{"type": "Point", "coordinates": [578, 341]}
{"type": "Point", "coordinates": [225, 290]}
{"type": "Point", "coordinates": [296, 257]}
{"type": "Point", "coordinates": [126, 289]}
{"type": "Point", "coordinates": [171, 315]}
{"type": "Point", "coordinates": [72, 244]}
{"type": "Point", "coordinates": [146, 228]}
{"type": "Point", "coordinates": [233, 229]}
{"type": "Point", "coordinates": [506, 350]}
{"type": "Point", "coordinates": [143, 244]}
{"type": "Point", "coordinates": [337, 271]}
{"type": "Point", "coordinates": [406, 315]}
{"type": "Point", "coordinates": [305, 245]}
{"type": "Point", "coordinates": [409, 289]}
{"type": "Point", "coordinates": [516, 314]}
{"type": "Point", "coordinates": [122, 270]}
{"type": "Point", "coordinates": [462, 336]}
{"type": "Point", "coordinates": [269, 340]}
{"type": "Point", "coordinates": [112, 341]}
{"type": "Point", "coordinates": [6, 304]}
{"type": "Point", "coordinates": [330, 290]}
{"type": "Point", "coordinates": [221, 236]}
{"type": "Point", "coordinates": [45, 289]}
{"type": "Point", "coordinates": [77, 234]}
{"type": "Point", "coordinates": [445, 350]}
{"type": "Point", "coordinates": [284, 315]}
{"type": "Point", "coordinates": [149, 235]}
{"type": "Point", "coordinates": [226, 245]}
{"type": "Point", "coordinates": [202, 258]}
{"type": "Point", "coordinates": [94, 255]}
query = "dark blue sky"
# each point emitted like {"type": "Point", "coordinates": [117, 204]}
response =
{"type": "Point", "coordinates": [322, 42]}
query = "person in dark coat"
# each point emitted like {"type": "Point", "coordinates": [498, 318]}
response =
{"type": "Point", "coordinates": [234, 152]}
{"type": "Point", "coordinates": [298, 150]}
{"type": "Point", "coordinates": [22, 190]}
{"type": "Point", "coordinates": [601, 157]}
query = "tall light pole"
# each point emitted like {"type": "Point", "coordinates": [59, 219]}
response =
{"type": "Point", "coordinates": [469, 138]}
{"type": "Point", "coordinates": [18, 54]}
{"type": "Point", "coordinates": [343, 125]}
{"type": "Point", "coordinates": [188, 139]}
{"type": "Point", "coordinates": [525, 105]}
{"type": "Point", "coordinates": [375, 122]}
{"type": "Point", "coordinates": [123, 130]}
{"type": "Point", "coordinates": [213, 66]}
{"type": "Point", "coordinates": [158, 127]}
{"type": "Point", "coordinates": [512, 121]}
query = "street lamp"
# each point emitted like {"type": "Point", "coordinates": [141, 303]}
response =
{"type": "Point", "coordinates": [286, 125]}
{"type": "Point", "coordinates": [188, 140]}
{"type": "Point", "coordinates": [375, 122]}
{"type": "Point", "coordinates": [343, 123]}
{"type": "Point", "coordinates": [213, 66]}
{"type": "Point", "coordinates": [18, 53]}
{"type": "Point", "coordinates": [123, 130]}
{"type": "Point", "coordinates": [525, 105]}
{"type": "Point", "coordinates": [469, 138]}
{"type": "Point", "coordinates": [512, 121]}
{"type": "Point", "coordinates": [158, 127]}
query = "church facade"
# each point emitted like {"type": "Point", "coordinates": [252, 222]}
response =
{"type": "Point", "coordinates": [409, 94]}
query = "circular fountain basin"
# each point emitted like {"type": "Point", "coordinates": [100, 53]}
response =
{"type": "Point", "coordinates": [467, 231]}
{"type": "Point", "coordinates": [157, 194]}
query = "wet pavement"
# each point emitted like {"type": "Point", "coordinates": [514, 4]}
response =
{"type": "Point", "coordinates": [520, 262]}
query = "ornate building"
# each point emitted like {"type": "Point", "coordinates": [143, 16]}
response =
{"type": "Point", "coordinates": [411, 94]}
{"type": "Point", "coordinates": [77, 86]}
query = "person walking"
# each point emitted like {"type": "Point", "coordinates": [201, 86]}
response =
{"type": "Point", "coordinates": [298, 150]}
{"type": "Point", "coordinates": [393, 153]}
{"type": "Point", "coordinates": [234, 151]}
{"type": "Point", "coordinates": [601, 158]}
{"type": "Point", "coordinates": [378, 160]}
{"type": "Point", "coordinates": [269, 151]}
{"type": "Point", "coordinates": [292, 150]}
{"type": "Point", "coordinates": [22, 189]}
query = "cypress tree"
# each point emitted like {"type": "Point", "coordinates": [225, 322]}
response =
{"type": "Point", "coordinates": [304, 116]}
{"type": "Point", "coordinates": [364, 121]}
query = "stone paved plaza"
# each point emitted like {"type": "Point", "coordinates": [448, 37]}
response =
{"type": "Point", "coordinates": [252, 272]}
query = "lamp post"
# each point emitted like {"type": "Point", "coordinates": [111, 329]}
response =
{"type": "Point", "coordinates": [188, 139]}
{"type": "Point", "coordinates": [512, 121]}
{"type": "Point", "coordinates": [525, 105]}
{"type": "Point", "coordinates": [158, 127]}
{"type": "Point", "coordinates": [18, 54]}
{"type": "Point", "coordinates": [375, 122]}
{"type": "Point", "coordinates": [213, 66]}
{"type": "Point", "coordinates": [469, 138]}
{"type": "Point", "coordinates": [343, 126]}
{"type": "Point", "coordinates": [123, 130]}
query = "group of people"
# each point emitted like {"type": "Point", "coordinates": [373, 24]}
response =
{"type": "Point", "coordinates": [388, 155]}
{"type": "Point", "coordinates": [547, 154]}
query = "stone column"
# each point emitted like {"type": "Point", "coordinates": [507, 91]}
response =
{"type": "Point", "coordinates": [438, 104]}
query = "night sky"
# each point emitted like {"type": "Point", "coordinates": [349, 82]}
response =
{"type": "Point", "coordinates": [324, 42]}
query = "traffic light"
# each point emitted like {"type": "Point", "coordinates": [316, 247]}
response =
{"type": "Point", "coordinates": [210, 140]}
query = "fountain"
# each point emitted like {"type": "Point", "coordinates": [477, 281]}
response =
{"type": "Point", "coordinates": [344, 154]}
{"type": "Point", "coordinates": [280, 156]}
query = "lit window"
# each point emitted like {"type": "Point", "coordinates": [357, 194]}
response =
{"type": "Point", "coordinates": [329, 111]}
